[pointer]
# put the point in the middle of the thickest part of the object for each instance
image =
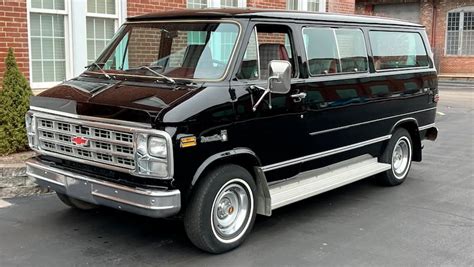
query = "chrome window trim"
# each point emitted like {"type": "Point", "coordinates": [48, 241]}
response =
{"type": "Point", "coordinates": [368, 122]}
{"type": "Point", "coordinates": [324, 153]}
{"type": "Point", "coordinates": [231, 58]}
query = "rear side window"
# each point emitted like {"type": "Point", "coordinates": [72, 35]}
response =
{"type": "Point", "coordinates": [395, 50]}
{"type": "Point", "coordinates": [331, 51]}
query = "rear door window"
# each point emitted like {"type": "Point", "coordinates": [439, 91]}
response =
{"type": "Point", "coordinates": [398, 50]}
{"type": "Point", "coordinates": [332, 51]}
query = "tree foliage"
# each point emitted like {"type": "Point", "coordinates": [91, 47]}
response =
{"type": "Point", "coordinates": [14, 103]}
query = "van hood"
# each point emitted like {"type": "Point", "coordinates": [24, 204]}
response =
{"type": "Point", "coordinates": [113, 99]}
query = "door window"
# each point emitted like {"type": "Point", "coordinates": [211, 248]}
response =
{"type": "Point", "coordinates": [267, 43]}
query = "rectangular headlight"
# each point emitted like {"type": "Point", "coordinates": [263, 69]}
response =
{"type": "Point", "coordinates": [157, 147]}
{"type": "Point", "coordinates": [152, 156]}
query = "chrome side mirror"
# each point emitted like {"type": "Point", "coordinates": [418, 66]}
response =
{"type": "Point", "coordinates": [279, 80]}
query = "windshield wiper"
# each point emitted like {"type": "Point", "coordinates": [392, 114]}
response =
{"type": "Point", "coordinates": [101, 70]}
{"type": "Point", "coordinates": [158, 74]}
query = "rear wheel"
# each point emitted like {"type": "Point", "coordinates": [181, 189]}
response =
{"type": "Point", "coordinates": [221, 211]}
{"type": "Point", "coordinates": [398, 154]}
{"type": "Point", "coordinates": [75, 203]}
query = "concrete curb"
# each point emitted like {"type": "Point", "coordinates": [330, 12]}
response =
{"type": "Point", "coordinates": [15, 183]}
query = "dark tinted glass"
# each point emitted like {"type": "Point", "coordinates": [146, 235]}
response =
{"type": "Point", "coordinates": [335, 50]}
{"type": "Point", "coordinates": [394, 50]}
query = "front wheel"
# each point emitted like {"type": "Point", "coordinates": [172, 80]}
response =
{"type": "Point", "coordinates": [398, 154]}
{"type": "Point", "coordinates": [221, 211]}
{"type": "Point", "coordinates": [75, 203]}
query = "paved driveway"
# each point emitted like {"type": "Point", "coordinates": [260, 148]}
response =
{"type": "Point", "coordinates": [429, 220]}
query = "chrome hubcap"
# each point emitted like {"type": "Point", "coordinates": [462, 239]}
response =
{"type": "Point", "coordinates": [230, 210]}
{"type": "Point", "coordinates": [401, 158]}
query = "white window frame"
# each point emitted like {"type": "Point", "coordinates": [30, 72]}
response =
{"type": "Point", "coordinates": [217, 3]}
{"type": "Point", "coordinates": [67, 43]}
{"type": "Point", "coordinates": [75, 35]}
{"type": "Point", "coordinates": [116, 17]}
{"type": "Point", "coordinates": [303, 5]}
{"type": "Point", "coordinates": [461, 12]}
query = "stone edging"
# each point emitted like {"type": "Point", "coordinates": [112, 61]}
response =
{"type": "Point", "coordinates": [15, 183]}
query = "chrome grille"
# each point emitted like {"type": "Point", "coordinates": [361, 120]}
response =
{"type": "Point", "coordinates": [104, 145]}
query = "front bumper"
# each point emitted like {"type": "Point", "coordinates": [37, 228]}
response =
{"type": "Point", "coordinates": [151, 203]}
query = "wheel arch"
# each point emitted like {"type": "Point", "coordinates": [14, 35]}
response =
{"type": "Point", "coordinates": [411, 125]}
{"type": "Point", "coordinates": [247, 159]}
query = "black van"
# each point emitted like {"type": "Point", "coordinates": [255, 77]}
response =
{"type": "Point", "coordinates": [215, 116]}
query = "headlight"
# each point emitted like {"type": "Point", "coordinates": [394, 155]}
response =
{"type": "Point", "coordinates": [157, 147]}
{"type": "Point", "coordinates": [152, 156]}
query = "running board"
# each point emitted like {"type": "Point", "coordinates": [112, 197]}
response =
{"type": "Point", "coordinates": [315, 182]}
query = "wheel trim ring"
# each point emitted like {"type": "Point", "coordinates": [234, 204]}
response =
{"type": "Point", "coordinates": [248, 217]}
{"type": "Point", "coordinates": [405, 157]}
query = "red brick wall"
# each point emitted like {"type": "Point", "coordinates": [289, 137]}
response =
{"type": "Point", "coordinates": [14, 34]}
{"type": "Point", "coordinates": [270, 4]}
{"type": "Point", "coordinates": [138, 7]}
{"type": "Point", "coordinates": [341, 6]}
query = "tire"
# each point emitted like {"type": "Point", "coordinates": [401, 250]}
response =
{"type": "Point", "coordinates": [75, 203]}
{"type": "Point", "coordinates": [222, 209]}
{"type": "Point", "coordinates": [398, 153]}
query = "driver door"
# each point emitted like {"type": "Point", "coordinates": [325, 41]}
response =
{"type": "Point", "coordinates": [275, 131]}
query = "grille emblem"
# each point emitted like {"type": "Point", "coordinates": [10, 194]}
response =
{"type": "Point", "coordinates": [80, 141]}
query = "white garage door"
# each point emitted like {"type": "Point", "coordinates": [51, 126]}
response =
{"type": "Point", "coordinates": [409, 12]}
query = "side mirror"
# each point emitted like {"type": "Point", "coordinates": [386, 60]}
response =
{"type": "Point", "coordinates": [279, 81]}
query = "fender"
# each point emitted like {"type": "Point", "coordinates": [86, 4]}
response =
{"type": "Point", "coordinates": [404, 120]}
{"type": "Point", "coordinates": [415, 133]}
{"type": "Point", "coordinates": [223, 155]}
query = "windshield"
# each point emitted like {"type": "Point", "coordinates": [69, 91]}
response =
{"type": "Point", "coordinates": [197, 50]}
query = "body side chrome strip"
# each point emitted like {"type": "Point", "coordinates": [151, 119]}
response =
{"type": "Point", "coordinates": [324, 153]}
{"type": "Point", "coordinates": [422, 128]}
{"type": "Point", "coordinates": [368, 122]}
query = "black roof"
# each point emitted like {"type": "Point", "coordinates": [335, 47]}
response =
{"type": "Point", "coordinates": [268, 13]}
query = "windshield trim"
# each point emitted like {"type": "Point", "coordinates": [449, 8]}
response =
{"type": "Point", "coordinates": [116, 40]}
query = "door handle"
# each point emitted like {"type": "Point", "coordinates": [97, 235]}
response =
{"type": "Point", "coordinates": [298, 97]}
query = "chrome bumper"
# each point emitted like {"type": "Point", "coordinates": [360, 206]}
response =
{"type": "Point", "coordinates": [151, 203]}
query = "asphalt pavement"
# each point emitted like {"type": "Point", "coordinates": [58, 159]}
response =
{"type": "Point", "coordinates": [427, 221]}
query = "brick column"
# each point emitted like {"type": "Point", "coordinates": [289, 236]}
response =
{"type": "Point", "coordinates": [270, 4]}
{"type": "Point", "coordinates": [341, 6]}
{"type": "Point", "coordinates": [14, 34]}
{"type": "Point", "coordinates": [138, 7]}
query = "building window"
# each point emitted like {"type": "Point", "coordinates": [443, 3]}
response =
{"type": "Point", "coordinates": [48, 40]}
{"type": "Point", "coordinates": [197, 4]}
{"type": "Point", "coordinates": [460, 32]}
{"type": "Point", "coordinates": [101, 22]}
{"type": "Point", "coordinates": [307, 5]}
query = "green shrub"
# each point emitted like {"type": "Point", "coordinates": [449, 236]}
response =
{"type": "Point", "coordinates": [14, 102]}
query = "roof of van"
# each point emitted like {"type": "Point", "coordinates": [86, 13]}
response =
{"type": "Point", "coordinates": [269, 13]}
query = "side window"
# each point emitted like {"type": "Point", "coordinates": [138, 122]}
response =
{"type": "Point", "coordinates": [395, 50]}
{"type": "Point", "coordinates": [332, 51]}
{"type": "Point", "coordinates": [267, 43]}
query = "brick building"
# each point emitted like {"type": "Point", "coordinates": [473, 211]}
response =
{"type": "Point", "coordinates": [449, 24]}
{"type": "Point", "coordinates": [54, 39]}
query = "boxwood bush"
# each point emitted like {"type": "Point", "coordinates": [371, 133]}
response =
{"type": "Point", "coordinates": [14, 101]}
